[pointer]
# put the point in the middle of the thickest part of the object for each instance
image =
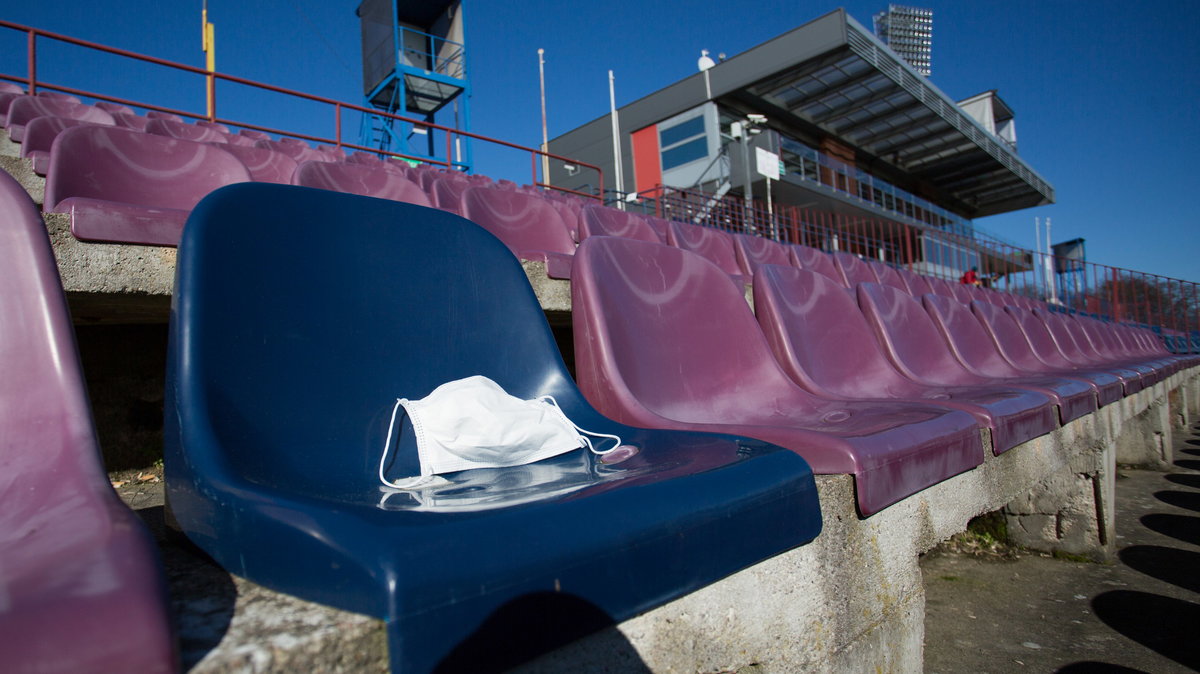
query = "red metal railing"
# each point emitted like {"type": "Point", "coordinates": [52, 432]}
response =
{"type": "Point", "coordinates": [1111, 292]}
{"type": "Point", "coordinates": [33, 83]}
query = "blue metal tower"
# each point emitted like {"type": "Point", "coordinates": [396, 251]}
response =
{"type": "Point", "coordinates": [415, 65]}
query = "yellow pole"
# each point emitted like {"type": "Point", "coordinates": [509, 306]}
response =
{"type": "Point", "coordinates": [208, 42]}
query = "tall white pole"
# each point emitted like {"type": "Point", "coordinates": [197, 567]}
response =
{"type": "Point", "coordinates": [1037, 247]}
{"type": "Point", "coordinates": [1050, 265]}
{"type": "Point", "coordinates": [545, 138]}
{"type": "Point", "coordinates": [616, 139]}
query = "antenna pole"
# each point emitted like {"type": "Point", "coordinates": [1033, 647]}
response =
{"type": "Point", "coordinates": [616, 138]}
{"type": "Point", "coordinates": [208, 44]}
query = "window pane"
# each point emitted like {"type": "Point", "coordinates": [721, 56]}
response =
{"type": "Point", "coordinates": [681, 131]}
{"type": "Point", "coordinates": [690, 151]}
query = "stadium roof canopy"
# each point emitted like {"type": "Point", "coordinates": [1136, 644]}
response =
{"type": "Point", "coordinates": [833, 78]}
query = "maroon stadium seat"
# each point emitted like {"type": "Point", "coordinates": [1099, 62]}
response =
{"type": "Point", "coordinates": [130, 187]}
{"type": "Point", "coordinates": [818, 261]}
{"type": "Point", "coordinates": [530, 227]}
{"type": "Point", "coordinates": [39, 137]}
{"type": "Point", "coordinates": [888, 276]}
{"type": "Point", "coordinates": [712, 244]}
{"type": "Point", "coordinates": [600, 220]}
{"type": "Point", "coordinates": [82, 587]}
{"type": "Point", "coordinates": [1010, 341]}
{"type": "Point", "coordinates": [917, 284]}
{"type": "Point", "coordinates": [296, 149]}
{"type": "Point", "coordinates": [27, 108]}
{"type": "Point", "coordinates": [265, 166]}
{"type": "Point", "coordinates": [367, 181]}
{"type": "Point", "coordinates": [1044, 347]}
{"type": "Point", "coordinates": [854, 270]}
{"type": "Point", "coordinates": [974, 348]}
{"type": "Point", "coordinates": [663, 340]}
{"type": "Point", "coordinates": [196, 134]}
{"type": "Point", "coordinates": [114, 108]}
{"type": "Point", "coordinates": [826, 346]}
{"type": "Point", "coordinates": [753, 251]}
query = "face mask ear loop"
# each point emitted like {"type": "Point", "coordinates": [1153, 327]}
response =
{"type": "Point", "coordinates": [585, 434]}
{"type": "Point", "coordinates": [387, 444]}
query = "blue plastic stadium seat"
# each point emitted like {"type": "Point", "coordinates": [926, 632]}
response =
{"type": "Point", "coordinates": [282, 374]}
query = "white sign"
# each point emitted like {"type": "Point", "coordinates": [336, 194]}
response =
{"type": "Point", "coordinates": [768, 163]}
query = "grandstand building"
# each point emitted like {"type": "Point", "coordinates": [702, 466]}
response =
{"type": "Point", "coordinates": [859, 133]}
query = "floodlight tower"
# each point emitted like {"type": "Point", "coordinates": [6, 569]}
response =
{"type": "Point", "coordinates": [415, 65]}
{"type": "Point", "coordinates": [909, 32]}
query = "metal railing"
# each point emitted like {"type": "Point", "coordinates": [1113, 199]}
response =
{"type": "Point", "coordinates": [1105, 291]}
{"type": "Point", "coordinates": [338, 108]}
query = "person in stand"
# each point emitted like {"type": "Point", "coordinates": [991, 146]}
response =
{"type": "Point", "coordinates": [970, 277]}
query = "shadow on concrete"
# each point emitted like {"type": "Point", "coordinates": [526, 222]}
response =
{"type": "Point", "coordinates": [547, 621]}
{"type": "Point", "coordinates": [1188, 464]}
{"type": "Point", "coordinates": [1180, 499]}
{"type": "Point", "coordinates": [202, 594]}
{"type": "Point", "coordinates": [1088, 667]}
{"type": "Point", "coordinates": [1164, 625]}
{"type": "Point", "coordinates": [1193, 452]}
{"type": "Point", "coordinates": [1185, 479]}
{"type": "Point", "coordinates": [1171, 565]}
{"type": "Point", "coordinates": [1180, 527]}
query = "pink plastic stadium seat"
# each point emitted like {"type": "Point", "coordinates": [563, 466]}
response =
{"type": "Point", "coordinates": [170, 116]}
{"type": "Point", "coordinates": [334, 153]}
{"type": "Point", "coordinates": [446, 190]}
{"type": "Point", "coordinates": [82, 587]}
{"type": "Point", "coordinates": [604, 221]}
{"type": "Point", "coordinates": [753, 251]}
{"type": "Point", "coordinates": [58, 96]}
{"type": "Point", "coordinates": [917, 284]}
{"type": "Point", "coordinates": [961, 291]}
{"type": "Point", "coordinates": [1104, 340]}
{"type": "Point", "coordinates": [941, 287]}
{"type": "Point", "coordinates": [712, 244]}
{"type": "Point", "coordinates": [854, 269]}
{"type": "Point", "coordinates": [213, 125]}
{"type": "Point", "coordinates": [660, 227]}
{"type": "Point", "coordinates": [912, 343]}
{"type": "Point", "coordinates": [39, 137]}
{"type": "Point", "coordinates": [254, 135]}
{"type": "Point", "coordinates": [973, 347]}
{"type": "Point", "coordinates": [296, 149]}
{"type": "Point", "coordinates": [135, 122]}
{"type": "Point", "coordinates": [888, 276]}
{"type": "Point", "coordinates": [27, 108]}
{"type": "Point", "coordinates": [1043, 346]}
{"type": "Point", "coordinates": [114, 108]}
{"type": "Point", "coordinates": [1077, 356]}
{"type": "Point", "coordinates": [528, 225]}
{"type": "Point", "coordinates": [265, 166]}
{"type": "Point", "coordinates": [196, 134]}
{"type": "Point", "coordinates": [826, 346]}
{"type": "Point", "coordinates": [819, 262]}
{"type": "Point", "coordinates": [6, 100]}
{"type": "Point", "coordinates": [366, 181]}
{"type": "Point", "coordinates": [663, 340]}
{"type": "Point", "coordinates": [1010, 341]}
{"type": "Point", "coordinates": [129, 187]}
{"type": "Point", "coordinates": [11, 88]}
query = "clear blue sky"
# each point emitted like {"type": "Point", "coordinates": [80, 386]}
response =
{"type": "Point", "coordinates": [1105, 93]}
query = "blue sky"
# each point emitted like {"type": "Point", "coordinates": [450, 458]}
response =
{"type": "Point", "coordinates": [1105, 93]}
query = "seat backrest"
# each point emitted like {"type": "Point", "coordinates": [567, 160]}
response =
{"type": "Point", "coordinates": [265, 166]}
{"type": "Point", "coordinates": [446, 190]}
{"type": "Point", "coordinates": [120, 165]}
{"type": "Point", "coordinates": [196, 134]}
{"type": "Point", "coordinates": [386, 308]}
{"type": "Point", "coordinates": [296, 149]}
{"type": "Point", "coordinates": [820, 337]}
{"type": "Point", "coordinates": [660, 226]}
{"type": "Point", "coordinates": [254, 135]}
{"type": "Point", "coordinates": [854, 270]}
{"type": "Point", "coordinates": [654, 331]}
{"type": "Point", "coordinates": [41, 132]}
{"type": "Point", "coordinates": [918, 285]}
{"type": "Point", "coordinates": [1008, 337]}
{"type": "Point", "coordinates": [712, 244]}
{"type": "Point", "coordinates": [158, 114]}
{"type": "Point", "coordinates": [818, 261]}
{"type": "Point", "coordinates": [23, 109]}
{"type": "Point", "coordinates": [604, 221]}
{"type": "Point", "coordinates": [58, 96]}
{"type": "Point", "coordinates": [521, 221]}
{"type": "Point", "coordinates": [753, 251]}
{"type": "Point", "coordinates": [888, 276]}
{"type": "Point", "coordinates": [1057, 325]}
{"type": "Point", "coordinates": [11, 88]}
{"type": "Point", "coordinates": [216, 126]}
{"type": "Point", "coordinates": [1040, 340]}
{"type": "Point", "coordinates": [81, 582]}
{"type": "Point", "coordinates": [367, 181]}
{"type": "Point", "coordinates": [110, 108]}
{"type": "Point", "coordinates": [942, 287]}
{"type": "Point", "coordinates": [968, 340]}
{"type": "Point", "coordinates": [131, 121]}
{"type": "Point", "coordinates": [909, 337]}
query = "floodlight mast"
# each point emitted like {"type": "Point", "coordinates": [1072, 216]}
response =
{"type": "Point", "coordinates": [545, 138]}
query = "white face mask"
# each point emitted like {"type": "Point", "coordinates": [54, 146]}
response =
{"type": "Point", "coordinates": [473, 423]}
